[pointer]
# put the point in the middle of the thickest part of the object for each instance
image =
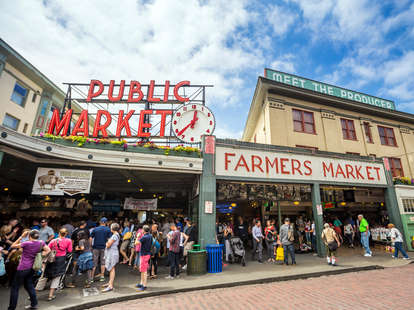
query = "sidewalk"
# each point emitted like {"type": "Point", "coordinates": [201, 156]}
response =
{"type": "Point", "coordinates": [232, 275]}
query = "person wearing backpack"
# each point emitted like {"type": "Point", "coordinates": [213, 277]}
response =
{"type": "Point", "coordinates": [25, 271]}
{"type": "Point", "coordinates": [155, 249]}
{"type": "Point", "coordinates": [331, 239]}
{"type": "Point", "coordinates": [287, 237]}
{"type": "Point", "coordinates": [270, 238]}
{"type": "Point", "coordinates": [397, 238]}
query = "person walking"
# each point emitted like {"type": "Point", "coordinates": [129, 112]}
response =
{"type": "Point", "coordinates": [332, 243]}
{"type": "Point", "coordinates": [349, 234]}
{"type": "Point", "coordinates": [111, 256]}
{"type": "Point", "coordinates": [146, 242]}
{"type": "Point", "coordinates": [397, 239]}
{"type": "Point", "coordinates": [365, 234]}
{"type": "Point", "coordinates": [257, 241]}
{"type": "Point", "coordinates": [270, 238]}
{"type": "Point", "coordinates": [56, 269]}
{"type": "Point", "coordinates": [25, 273]}
{"type": "Point", "coordinates": [155, 249]}
{"type": "Point", "coordinates": [190, 230]}
{"type": "Point", "coordinates": [174, 253]}
{"type": "Point", "coordinates": [98, 237]}
{"type": "Point", "coordinates": [46, 232]}
{"type": "Point", "coordinates": [287, 238]}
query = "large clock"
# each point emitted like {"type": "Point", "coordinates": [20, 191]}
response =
{"type": "Point", "coordinates": [190, 122]}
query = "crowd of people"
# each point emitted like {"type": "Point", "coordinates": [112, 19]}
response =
{"type": "Point", "coordinates": [71, 251]}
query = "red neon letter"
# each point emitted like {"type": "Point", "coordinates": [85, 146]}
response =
{"type": "Point", "coordinates": [59, 124]}
{"type": "Point", "coordinates": [226, 160]}
{"type": "Point", "coordinates": [166, 90]}
{"type": "Point", "coordinates": [177, 87]}
{"type": "Point", "coordinates": [151, 93]}
{"type": "Point", "coordinates": [111, 90]}
{"type": "Point", "coordinates": [358, 172]}
{"type": "Point", "coordinates": [271, 164]}
{"type": "Point", "coordinates": [307, 164]}
{"type": "Point", "coordinates": [83, 118]}
{"type": "Point", "coordinates": [327, 169]}
{"type": "Point", "coordinates": [98, 127]}
{"type": "Point", "coordinates": [91, 93]}
{"type": "Point", "coordinates": [242, 163]}
{"type": "Point", "coordinates": [296, 167]}
{"type": "Point", "coordinates": [135, 88]}
{"type": "Point", "coordinates": [257, 165]}
{"type": "Point", "coordinates": [143, 125]}
{"type": "Point", "coordinates": [349, 171]}
{"type": "Point", "coordinates": [340, 171]}
{"type": "Point", "coordinates": [369, 173]}
{"type": "Point", "coordinates": [163, 114]}
{"type": "Point", "coordinates": [283, 165]}
{"type": "Point", "coordinates": [377, 169]}
{"type": "Point", "coordinates": [123, 122]}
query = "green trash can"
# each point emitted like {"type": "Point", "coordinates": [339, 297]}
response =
{"type": "Point", "coordinates": [197, 262]}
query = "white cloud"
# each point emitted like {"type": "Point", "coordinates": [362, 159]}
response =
{"type": "Point", "coordinates": [158, 40]}
{"type": "Point", "coordinates": [285, 63]}
{"type": "Point", "coordinates": [280, 18]}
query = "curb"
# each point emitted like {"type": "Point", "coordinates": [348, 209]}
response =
{"type": "Point", "coordinates": [107, 301]}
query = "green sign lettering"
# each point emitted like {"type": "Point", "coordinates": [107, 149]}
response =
{"type": "Point", "coordinates": [327, 89]}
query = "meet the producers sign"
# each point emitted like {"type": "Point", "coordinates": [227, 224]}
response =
{"type": "Point", "coordinates": [327, 89]}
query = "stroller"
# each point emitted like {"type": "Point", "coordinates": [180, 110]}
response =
{"type": "Point", "coordinates": [40, 281]}
{"type": "Point", "coordinates": [239, 252]}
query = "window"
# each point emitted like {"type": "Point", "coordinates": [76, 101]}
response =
{"type": "Point", "coordinates": [44, 107]}
{"type": "Point", "coordinates": [19, 94]}
{"type": "Point", "coordinates": [353, 153]}
{"type": "Point", "coordinates": [303, 121]}
{"type": "Point", "coordinates": [368, 134]}
{"type": "Point", "coordinates": [25, 127]}
{"type": "Point", "coordinates": [11, 122]}
{"type": "Point", "coordinates": [307, 147]}
{"type": "Point", "coordinates": [34, 97]}
{"type": "Point", "coordinates": [348, 129]}
{"type": "Point", "coordinates": [408, 205]}
{"type": "Point", "coordinates": [396, 167]}
{"type": "Point", "coordinates": [387, 136]}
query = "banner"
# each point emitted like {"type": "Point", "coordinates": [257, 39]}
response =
{"type": "Point", "coordinates": [140, 204]}
{"type": "Point", "coordinates": [56, 181]}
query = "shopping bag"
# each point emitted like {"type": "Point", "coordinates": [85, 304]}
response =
{"type": "Point", "coordinates": [41, 283]}
{"type": "Point", "coordinates": [280, 255]}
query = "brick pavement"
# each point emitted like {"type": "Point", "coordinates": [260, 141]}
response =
{"type": "Point", "coordinates": [391, 288]}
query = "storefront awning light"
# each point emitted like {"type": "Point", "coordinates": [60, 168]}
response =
{"type": "Point", "coordinates": [129, 181]}
{"type": "Point", "coordinates": [343, 203]}
{"type": "Point", "coordinates": [154, 195]}
{"type": "Point", "coordinates": [6, 189]}
{"type": "Point", "coordinates": [141, 189]}
{"type": "Point", "coordinates": [296, 203]}
{"type": "Point", "coordinates": [234, 204]}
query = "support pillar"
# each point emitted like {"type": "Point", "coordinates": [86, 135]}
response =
{"type": "Point", "coordinates": [207, 196]}
{"type": "Point", "coordinates": [279, 214]}
{"type": "Point", "coordinates": [318, 218]}
{"type": "Point", "coordinates": [393, 210]}
{"type": "Point", "coordinates": [1, 157]}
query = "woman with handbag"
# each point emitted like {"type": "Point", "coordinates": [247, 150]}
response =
{"type": "Point", "coordinates": [270, 238]}
{"type": "Point", "coordinates": [331, 240]}
{"type": "Point", "coordinates": [25, 272]}
{"type": "Point", "coordinates": [56, 261]}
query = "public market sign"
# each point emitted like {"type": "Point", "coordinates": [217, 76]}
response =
{"type": "Point", "coordinates": [327, 89]}
{"type": "Point", "coordinates": [54, 181]}
{"type": "Point", "coordinates": [273, 165]}
{"type": "Point", "coordinates": [189, 122]}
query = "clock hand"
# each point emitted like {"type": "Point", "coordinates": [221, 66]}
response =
{"type": "Point", "coordinates": [185, 128]}
{"type": "Point", "coordinates": [194, 119]}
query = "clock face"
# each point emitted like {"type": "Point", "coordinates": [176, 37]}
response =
{"type": "Point", "coordinates": [192, 121]}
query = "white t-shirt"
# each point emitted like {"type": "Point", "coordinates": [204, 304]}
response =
{"type": "Point", "coordinates": [313, 229]}
{"type": "Point", "coordinates": [396, 235]}
{"type": "Point", "coordinates": [348, 229]}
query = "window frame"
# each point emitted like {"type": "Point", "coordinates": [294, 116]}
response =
{"type": "Point", "coordinates": [302, 121]}
{"type": "Point", "coordinates": [393, 168]}
{"type": "Point", "coordinates": [24, 98]}
{"type": "Point", "coordinates": [312, 148]}
{"type": "Point", "coordinates": [386, 137]}
{"type": "Point", "coordinates": [368, 132]}
{"type": "Point", "coordinates": [15, 118]}
{"type": "Point", "coordinates": [348, 130]}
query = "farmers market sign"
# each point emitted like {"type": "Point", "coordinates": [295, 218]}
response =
{"type": "Point", "coordinates": [327, 89]}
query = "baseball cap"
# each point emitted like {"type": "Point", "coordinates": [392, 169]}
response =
{"type": "Point", "coordinates": [103, 220]}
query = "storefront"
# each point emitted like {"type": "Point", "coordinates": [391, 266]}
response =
{"type": "Point", "coordinates": [405, 197]}
{"type": "Point", "coordinates": [271, 182]}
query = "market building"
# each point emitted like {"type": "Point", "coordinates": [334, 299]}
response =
{"type": "Point", "coordinates": [27, 97]}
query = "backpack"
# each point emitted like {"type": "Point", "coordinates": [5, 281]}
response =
{"type": "Point", "coordinates": [2, 267]}
{"type": "Point", "coordinates": [155, 246]}
{"type": "Point", "coordinates": [291, 235]}
{"type": "Point", "coordinates": [270, 236]}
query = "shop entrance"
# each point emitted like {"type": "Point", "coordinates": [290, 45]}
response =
{"type": "Point", "coordinates": [341, 207]}
{"type": "Point", "coordinates": [246, 202]}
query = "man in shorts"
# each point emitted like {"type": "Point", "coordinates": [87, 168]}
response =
{"type": "Point", "coordinates": [98, 238]}
{"type": "Point", "coordinates": [146, 243]}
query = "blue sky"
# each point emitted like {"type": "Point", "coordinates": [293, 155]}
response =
{"type": "Point", "coordinates": [362, 45]}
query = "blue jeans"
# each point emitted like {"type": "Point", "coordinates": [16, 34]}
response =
{"type": "Point", "coordinates": [314, 242]}
{"type": "Point", "coordinates": [289, 249]}
{"type": "Point", "coordinates": [398, 247]}
{"type": "Point", "coordinates": [365, 242]}
{"type": "Point", "coordinates": [24, 277]}
{"type": "Point", "coordinates": [174, 263]}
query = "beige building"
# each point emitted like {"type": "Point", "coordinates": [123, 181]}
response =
{"type": "Point", "coordinates": [292, 111]}
{"type": "Point", "coordinates": [27, 97]}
